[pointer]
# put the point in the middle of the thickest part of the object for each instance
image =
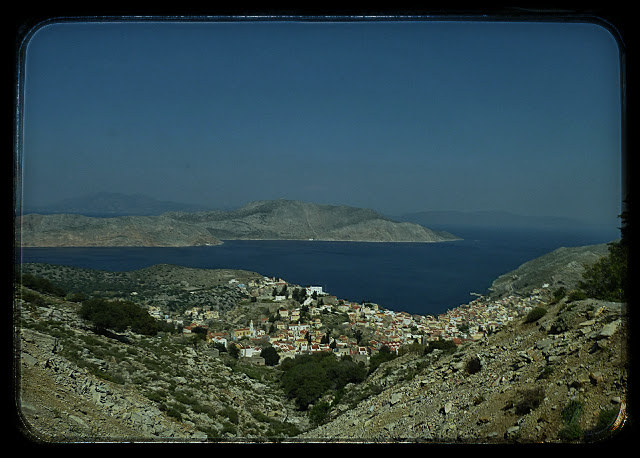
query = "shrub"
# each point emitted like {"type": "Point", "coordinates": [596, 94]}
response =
{"type": "Point", "coordinates": [33, 298]}
{"type": "Point", "coordinates": [571, 419]}
{"type": "Point", "coordinates": [383, 355]}
{"type": "Point", "coordinates": [319, 413]}
{"type": "Point", "coordinates": [42, 285]}
{"type": "Point", "coordinates": [535, 314]}
{"type": "Point", "coordinates": [270, 355]}
{"type": "Point", "coordinates": [231, 414]}
{"type": "Point", "coordinates": [531, 399]}
{"type": "Point", "coordinates": [576, 295]}
{"type": "Point", "coordinates": [545, 372]}
{"type": "Point", "coordinates": [572, 412]}
{"type": "Point", "coordinates": [446, 346]}
{"type": "Point", "coordinates": [307, 377]}
{"type": "Point", "coordinates": [118, 316]}
{"type": "Point", "coordinates": [558, 294]}
{"type": "Point", "coordinates": [606, 417]}
{"type": "Point", "coordinates": [473, 365]}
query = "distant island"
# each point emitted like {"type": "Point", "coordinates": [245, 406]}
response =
{"type": "Point", "coordinates": [261, 220]}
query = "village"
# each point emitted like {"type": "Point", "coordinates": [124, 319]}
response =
{"type": "Point", "coordinates": [297, 322]}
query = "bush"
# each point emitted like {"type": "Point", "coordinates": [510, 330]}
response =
{"type": "Point", "coordinates": [558, 294]}
{"type": "Point", "coordinates": [576, 295]}
{"type": "Point", "coordinates": [118, 316]}
{"type": "Point", "coordinates": [319, 413]}
{"type": "Point", "coordinates": [606, 417]}
{"type": "Point", "coordinates": [446, 346]}
{"type": "Point", "coordinates": [383, 355]}
{"type": "Point", "coordinates": [535, 314]}
{"type": "Point", "coordinates": [571, 419]}
{"type": "Point", "coordinates": [473, 365]}
{"type": "Point", "coordinates": [531, 399]}
{"type": "Point", "coordinates": [545, 372]}
{"type": "Point", "coordinates": [307, 377]}
{"type": "Point", "coordinates": [42, 285]}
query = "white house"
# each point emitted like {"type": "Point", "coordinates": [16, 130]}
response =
{"type": "Point", "coordinates": [314, 289]}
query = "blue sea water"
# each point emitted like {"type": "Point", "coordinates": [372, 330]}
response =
{"type": "Point", "coordinates": [420, 278]}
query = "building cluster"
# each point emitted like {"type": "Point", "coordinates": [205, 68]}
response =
{"type": "Point", "coordinates": [296, 328]}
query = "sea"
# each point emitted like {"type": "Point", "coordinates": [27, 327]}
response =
{"type": "Point", "coordinates": [418, 278]}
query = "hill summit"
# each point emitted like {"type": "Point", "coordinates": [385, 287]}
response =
{"type": "Point", "coordinates": [296, 220]}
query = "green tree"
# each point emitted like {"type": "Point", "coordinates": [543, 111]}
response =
{"type": "Point", "coordinates": [41, 284]}
{"type": "Point", "coordinates": [118, 316]}
{"type": "Point", "coordinates": [308, 377]}
{"type": "Point", "coordinates": [233, 350]}
{"type": "Point", "coordinates": [319, 413]}
{"type": "Point", "coordinates": [535, 314]}
{"type": "Point", "coordinates": [270, 355]}
{"type": "Point", "coordinates": [607, 279]}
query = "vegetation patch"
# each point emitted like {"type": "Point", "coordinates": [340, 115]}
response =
{"type": "Point", "coordinates": [571, 420]}
{"type": "Point", "coordinates": [307, 378]}
{"type": "Point", "coordinates": [535, 314]}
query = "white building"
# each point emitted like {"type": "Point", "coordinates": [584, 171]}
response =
{"type": "Point", "coordinates": [314, 289]}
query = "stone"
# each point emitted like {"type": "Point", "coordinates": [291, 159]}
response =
{"type": "Point", "coordinates": [512, 431]}
{"type": "Point", "coordinates": [609, 329]}
{"type": "Point", "coordinates": [447, 407]}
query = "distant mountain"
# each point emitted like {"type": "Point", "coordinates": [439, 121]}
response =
{"type": "Point", "coordinates": [85, 231]}
{"type": "Point", "coordinates": [108, 204]}
{"type": "Point", "coordinates": [264, 220]}
{"type": "Point", "coordinates": [487, 219]}
{"type": "Point", "coordinates": [295, 220]}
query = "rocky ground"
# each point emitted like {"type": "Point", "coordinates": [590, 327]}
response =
{"type": "Point", "coordinates": [75, 386]}
{"type": "Point", "coordinates": [575, 352]}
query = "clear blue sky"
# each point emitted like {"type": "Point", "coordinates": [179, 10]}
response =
{"type": "Point", "coordinates": [394, 116]}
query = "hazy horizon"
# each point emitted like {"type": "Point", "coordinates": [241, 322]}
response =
{"type": "Point", "coordinates": [396, 116]}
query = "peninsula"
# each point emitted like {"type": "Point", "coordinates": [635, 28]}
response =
{"type": "Point", "coordinates": [261, 220]}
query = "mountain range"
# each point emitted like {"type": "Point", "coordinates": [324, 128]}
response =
{"type": "Point", "coordinates": [261, 220]}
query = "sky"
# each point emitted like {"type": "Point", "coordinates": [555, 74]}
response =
{"type": "Point", "coordinates": [397, 116]}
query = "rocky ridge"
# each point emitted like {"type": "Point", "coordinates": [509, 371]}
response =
{"type": "Point", "coordinates": [561, 268]}
{"type": "Point", "coordinates": [122, 231]}
{"type": "Point", "coordinates": [264, 220]}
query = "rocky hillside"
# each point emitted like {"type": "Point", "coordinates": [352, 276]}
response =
{"type": "Point", "coordinates": [85, 231]}
{"type": "Point", "coordinates": [560, 268]}
{"type": "Point", "coordinates": [295, 220]}
{"type": "Point", "coordinates": [512, 386]}
{"type": "Point", "coordinates": [267, 220]}
{"type": "Point", "coordinates": [75, 385]}
{"type": "Point", "coordinates": [561, 376]}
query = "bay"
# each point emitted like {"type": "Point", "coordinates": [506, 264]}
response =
{"type": "Point", "coordinates": [419, 278]}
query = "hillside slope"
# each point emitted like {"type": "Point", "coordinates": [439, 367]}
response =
{"type": "Point", "coordinates": [267, 220]}
{"type": "Point", "coordinates": [516, 384]}
{"type": "Point", "coordinates": [528, 374]}
{"type": "Point", "coordinates": [84, 231]}
{"type": "Point", "coordinates": [560, 268]}
{"type": "Point", "coordinates": [295, 220]}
